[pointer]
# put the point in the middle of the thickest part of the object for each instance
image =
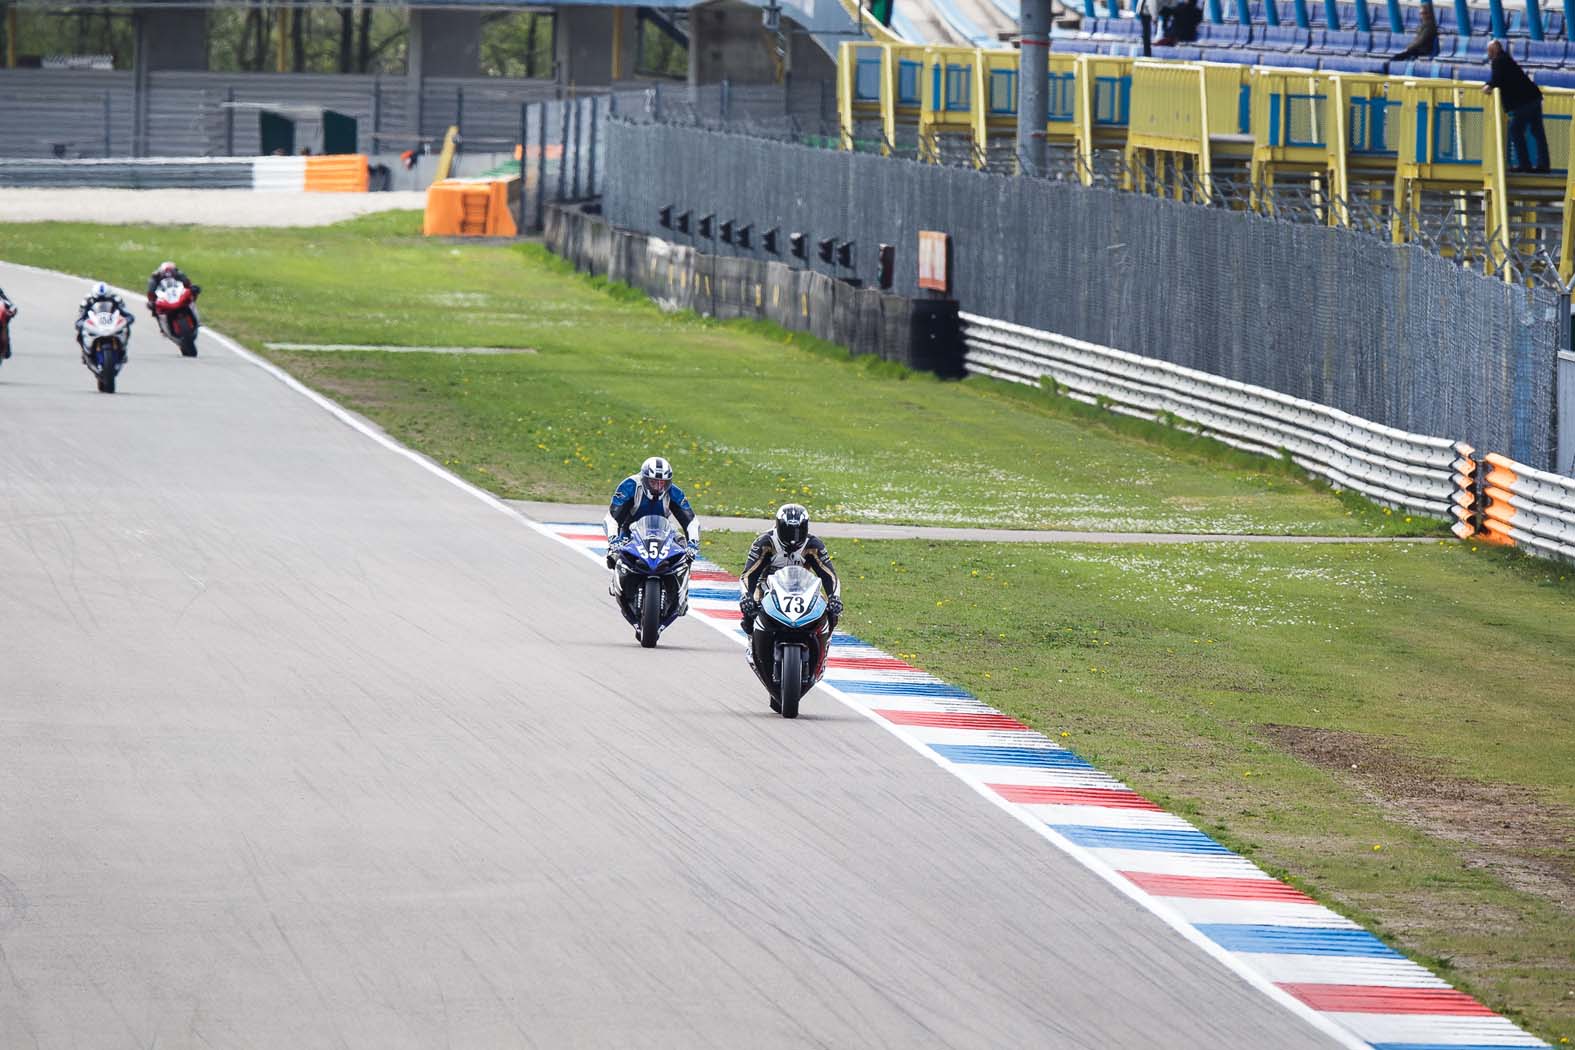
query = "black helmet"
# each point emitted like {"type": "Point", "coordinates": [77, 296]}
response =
{"type": "Point", "coordinates": [656, 474]}
{"type": "Point", "coordinates": [792, 528]}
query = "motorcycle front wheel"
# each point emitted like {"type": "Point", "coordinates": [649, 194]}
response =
{"type": "Point", "coordinates": [792, 685]}
{"type": "Point", "coordinates": [651, 612]}
{"type": "Point", "coordinates": [188, 346]}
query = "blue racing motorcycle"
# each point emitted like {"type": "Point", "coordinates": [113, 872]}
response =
{"type": "Point", "coordinates": [653, 577]}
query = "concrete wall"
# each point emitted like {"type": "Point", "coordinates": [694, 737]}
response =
{"type": "Point", "coordinates": [173, 39]}
{"type": "Point", "coordinates": [921, 334]}
{"type": "Point", "coordinates": [584, 45]}
{"type": "Point", "coordinates": [727, 41]}
{"type": "Point", "coordinates": [445, 43]}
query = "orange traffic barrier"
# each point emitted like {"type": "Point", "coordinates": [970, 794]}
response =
{"type": "Point", "coordinates": [336, 173]}
{"type": "Point", "coordinates": [457, 208]}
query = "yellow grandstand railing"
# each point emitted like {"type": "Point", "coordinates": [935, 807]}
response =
{"type": "Point", "coordinates": [1167, 132]}
{"type": "Point", "coordinates": [1101, 88]}
{"type": "Point", "coordinates": [1422, 158]}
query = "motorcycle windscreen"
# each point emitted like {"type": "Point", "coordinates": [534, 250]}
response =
{"type": "Point", "coordinates": [654, 535]}
{"type": "Point", "coordinates": [102, 322]}
{"type": "Point", "coordinates": [170, 290]}
{"type": "Point", "coordinates": [794, 596]}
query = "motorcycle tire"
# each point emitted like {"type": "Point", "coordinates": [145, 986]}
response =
{"type": "Point", "coordinates": [651, 613]}
{"type": "Point", "coordinates": [792, 685]}
{"type": "Point", "coordinates": [188, 346]}
{"type": "Point", "coordinates": [106, 382]}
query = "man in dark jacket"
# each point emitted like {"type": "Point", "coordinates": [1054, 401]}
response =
{"type": "Point", "coordinates": [1522, 100]}
{"type": "Point", "coordinates": [1425, 43]}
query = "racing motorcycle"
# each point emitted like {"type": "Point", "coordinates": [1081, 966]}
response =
{"type": "Point", "coordinates": [105, 336]}
{"type": "Point", "coordinates": [177, 316]}
{"type": "Point", "coordinates": [7, 311]}
{"type": "Point", "coordinates": [653, 577]}
{"type": "Point", "coordinates": [791, 637]}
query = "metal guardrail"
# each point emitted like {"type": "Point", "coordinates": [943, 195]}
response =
{"type": "Point", "coordinates": [1426, 475]}
{"type": "Point", "coordinates": [346, 172]}
{"type": "Point", "coordinates": [1524, 507]}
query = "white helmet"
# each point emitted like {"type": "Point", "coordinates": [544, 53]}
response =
{"type": "Point", "coordinates": [166, 267]}
{"type": "Point", "coordinates": [656, 474]}
{"type": "Point", "coordinates": [100, 291]}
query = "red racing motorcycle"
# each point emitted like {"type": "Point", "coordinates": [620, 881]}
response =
{"type": "Point", "coordinates": [175, 310]}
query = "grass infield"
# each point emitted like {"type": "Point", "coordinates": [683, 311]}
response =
{"type": "Point", "coordinates": [1324, 709]}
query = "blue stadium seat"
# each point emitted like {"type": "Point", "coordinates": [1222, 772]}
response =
{"type": "Point", "coordinates": [1123, 28]}
{"type": "Point", "coordinates": [1218, 35]}
{"type": "Point", "coordinates": [1472, 50]}
{"type": "Point", "coordinates": [1179, 54]}
{"type": "Point", "coordinates": [1553, 23]}
{"type": "Point", "coordinates": [1557, 78]}
{"type": "Point", "coordinates": [1291, 60]}
{"type": "Point", "coordinates": [1543, 52]}
{"type": "Point", "coordinates": [1386, 43]}
{"type": "Point", "coordinates": [1475, 73]}
{"type": "Point", "coordinates": [1343, 42]}
{"type": "Point", "coordinates": [1076, 45]}
{"type": "Point", "coordinates": [1283, 38]}
{"type": "Point", "coordinates": [1481, 21]}
{"type": "Point", "coordinates": [1235, 58]}
{"type": "Point", "coordinates": [1355, 64]}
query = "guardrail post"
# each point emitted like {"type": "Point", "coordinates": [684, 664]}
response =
{"type": "Point", "coordinates": [1033, 85]}
{"type": "Point", "coordinates": [563, 153]}
{"type": "Point", "coordinates": [229, 122]}
{"type": "Point", "coordinates": [541, 166]}
{"type": "Point", "coordinates": [459, 108]}
{"type": "Point", "coordinates": [519, 219]}
{"type": "Point", "coordinates": [574, 134]}
{"type": "Point", "coordinates": [590, 178]}
{"type": "Point", "coordinates": [108, 126]}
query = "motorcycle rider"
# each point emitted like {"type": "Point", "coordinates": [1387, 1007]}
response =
{"type": "Point", "coordinates": [637, 496]}
{"type": "Point", "coordinates": [168, 269]}
{"type": "Point", "coordinates": [101, 293]}
{"type": "Point", "coordinates": [787, 542]}
{"type": "Point", "coordinates": [7, 312]}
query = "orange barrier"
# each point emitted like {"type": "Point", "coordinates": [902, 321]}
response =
{"type": "Point", "coordinates": [457, 208]}
{"type": "Point", "coordinates": [336, 173]}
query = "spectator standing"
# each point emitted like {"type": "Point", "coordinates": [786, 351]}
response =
{"type": "Point", "coordinates": [1184, 20]}
{"type": "Point", "coordinates": [1148, 12]}
{"type": "Point", "coordinates": [1522, 100]}
{"type": "Point", "coordinates": [1425, 43]}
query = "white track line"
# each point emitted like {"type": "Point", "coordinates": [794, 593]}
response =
{"type": "Point", "coordinates": [1341, 1035]}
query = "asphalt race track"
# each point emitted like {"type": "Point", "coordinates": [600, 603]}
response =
{"type": "Point", "coordinates": [302, 746]}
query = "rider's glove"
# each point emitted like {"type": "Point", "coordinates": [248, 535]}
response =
{"type": "Point", "coordinates": [612, 559]}
{"type": "Point", "coordinates": [834, 606]}
{"type": "Point", "coordinates": [694, 549]}
{"type": "Point", "coordinates": [749, 607]}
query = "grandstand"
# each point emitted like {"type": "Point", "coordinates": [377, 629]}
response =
{"type": "Point", "coordinates": [1301, 123]}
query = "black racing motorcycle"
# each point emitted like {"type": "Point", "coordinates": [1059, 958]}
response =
{"type": "Point", "coordinates": [791, 637]}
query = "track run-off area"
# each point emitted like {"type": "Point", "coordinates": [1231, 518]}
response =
{"type": "Point", "coordinates": [309, 743]}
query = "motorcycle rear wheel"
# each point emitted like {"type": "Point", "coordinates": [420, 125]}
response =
{"type": "Point", "coordinates": [651, 612]}
{"type": "Point", "coordinates": [792, 685]}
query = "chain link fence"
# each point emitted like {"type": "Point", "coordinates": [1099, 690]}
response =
{"type": "Point", "coordinates": [564, 140]}
{"type": "Point", "coordinates": [1394, 333]}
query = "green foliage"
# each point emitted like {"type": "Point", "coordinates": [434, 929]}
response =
{"type": "Point", "coordinates": [85, 31]}
{"type": "Point", "coordinates": [516, 44]}
{"type": "Point", "coordinates": [751, 414]}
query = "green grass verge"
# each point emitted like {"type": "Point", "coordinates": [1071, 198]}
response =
{"type": "Point", "coordinates": [750, 416]}
{"type": "Point", "coordinates": [1322, 709]}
